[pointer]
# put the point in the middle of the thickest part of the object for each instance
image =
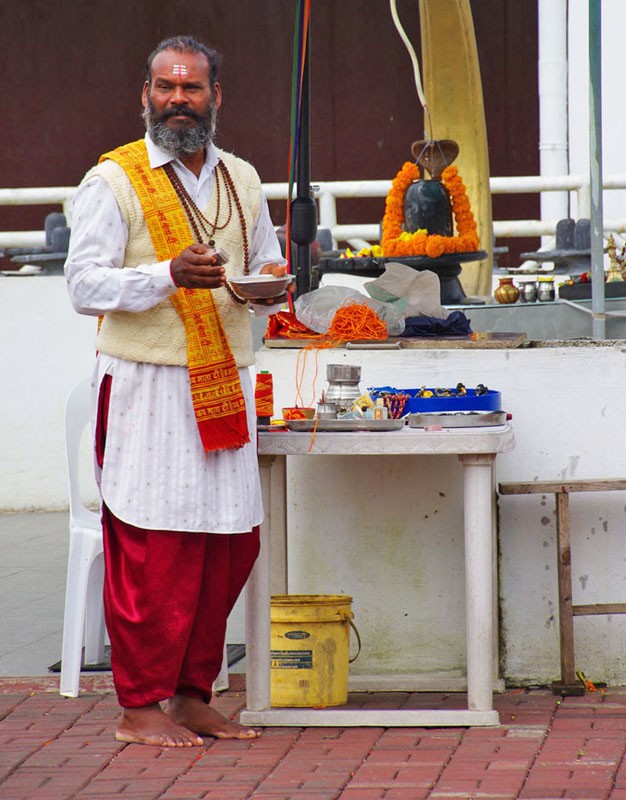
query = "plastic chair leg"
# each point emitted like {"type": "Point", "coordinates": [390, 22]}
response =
{"type": "Point", "coordinates": [221, 683]}
{"type": "Point", "coordinates": [95, 630]}
{"type": "Point", "coordinates": [85, 546]}
{"type": "Point", "coordinates": [74, 618]}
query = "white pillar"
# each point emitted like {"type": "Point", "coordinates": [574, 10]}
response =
{"type": "Point", "coordinates": [553, 129]}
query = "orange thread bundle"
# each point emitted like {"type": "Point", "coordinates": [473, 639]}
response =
{"type": "Point", "coordinates": [355, 321]}
{"type": "Point", "coordinates": [264, 395]}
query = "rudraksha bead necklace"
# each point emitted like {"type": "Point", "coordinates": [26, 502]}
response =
{"type": "Point", "coordinates": [202, 227]}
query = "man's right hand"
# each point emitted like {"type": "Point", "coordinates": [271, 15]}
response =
{"type": "Point", "coordinates": [198, 267]}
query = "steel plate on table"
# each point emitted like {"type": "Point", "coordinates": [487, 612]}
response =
{"type": "Point", "coordinates": [326, 425]}
{"type": "Point", "coordinates": [459, 419]}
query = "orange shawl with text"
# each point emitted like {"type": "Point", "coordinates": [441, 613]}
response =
{"type": "Point", "coordinates": [216, 393]}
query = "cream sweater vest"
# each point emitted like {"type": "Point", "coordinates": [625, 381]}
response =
{"type": "Point", "coordinates": [157, 336]}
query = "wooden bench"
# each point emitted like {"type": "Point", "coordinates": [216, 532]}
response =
{"type": "Point", "coordinates": [569, 683]}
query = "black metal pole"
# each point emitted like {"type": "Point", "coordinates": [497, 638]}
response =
{"type": "Point", "coordinates": [303, 209]}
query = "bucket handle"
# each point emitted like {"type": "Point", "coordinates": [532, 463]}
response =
{"type": "Point", "coordinates": [358, 638]}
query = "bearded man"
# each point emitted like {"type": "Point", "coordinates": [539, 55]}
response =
{"type": "Point", "coordinates": [158, 228]}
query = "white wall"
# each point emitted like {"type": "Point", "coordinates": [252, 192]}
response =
{"type": "Point", "coordinates": [46, 349]}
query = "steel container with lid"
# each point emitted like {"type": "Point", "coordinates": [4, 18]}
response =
{"type": "Point", "coordinates": [343, 383]}
{"type": "Point", "coordinates": [545, 290]}
{"type": "Point", "coordinates": [528, 292]}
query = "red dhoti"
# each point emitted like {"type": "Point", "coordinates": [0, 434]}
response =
{"type": "Point", "coordinates": [167, 596]}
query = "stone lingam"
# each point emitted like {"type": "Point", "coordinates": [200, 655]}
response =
{"type": "Point", "coordinates": [427, 202]}
{"type": "Point", "coordinates": [418, 229]}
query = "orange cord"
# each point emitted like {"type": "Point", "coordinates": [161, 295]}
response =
{"type": "Point", "coordinates": [313, 434]}
{"type": "Point", "coordinates": [352, 322]}
{"type": "Point", "coordinates": [300, 369]}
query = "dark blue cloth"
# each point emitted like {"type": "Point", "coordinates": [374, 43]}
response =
{"type": "Point", "coordinates": [457, 324]}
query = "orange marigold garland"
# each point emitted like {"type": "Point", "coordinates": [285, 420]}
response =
{"type": "Point", "coordinates": [397, 242]}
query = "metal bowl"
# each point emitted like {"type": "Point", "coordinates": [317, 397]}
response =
{"type": "Point", "coordinates": [257, 287]}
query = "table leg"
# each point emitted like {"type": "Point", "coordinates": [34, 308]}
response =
{"type": "Point", "coordinates": [478, 486]}
{"type": "Point", "coordinates": [276, 512]}
{"type": "Point", "coordinates": [258, 593]}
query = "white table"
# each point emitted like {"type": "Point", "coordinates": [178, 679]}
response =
{"type": "Point", "coordinates": [476, 448]}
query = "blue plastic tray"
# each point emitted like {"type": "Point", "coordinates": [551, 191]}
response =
{"type": "Point", "coordinates": [492, 401]}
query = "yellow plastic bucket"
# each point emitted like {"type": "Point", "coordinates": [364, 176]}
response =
{"type": "Point", "coordinates": [310, 643]}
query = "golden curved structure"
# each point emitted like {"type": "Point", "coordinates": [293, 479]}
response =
{"type": "Point", "coordinates": [454, 94]}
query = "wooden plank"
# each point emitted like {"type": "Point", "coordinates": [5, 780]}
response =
{"type": "Point", "coordinates": [566, 618]}
{"type": "Point", "coordinates": [598, 608]}
{"type": "Point", "coordinates": [554, 487]}
{"type": "Point", "coordinates": [475, 341]}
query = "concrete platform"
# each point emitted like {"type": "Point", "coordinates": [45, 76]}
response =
{"type": "Point", "coordinates": [33, 561]}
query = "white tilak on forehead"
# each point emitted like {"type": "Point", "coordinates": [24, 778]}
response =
{"type": "Point", "coordinates": [179, 69]}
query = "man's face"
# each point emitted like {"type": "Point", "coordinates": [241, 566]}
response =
{"type": "Point", "coordinates": [180, 108]}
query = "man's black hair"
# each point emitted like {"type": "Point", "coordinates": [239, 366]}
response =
{"type": "Point", "coordinates": [187, 44]}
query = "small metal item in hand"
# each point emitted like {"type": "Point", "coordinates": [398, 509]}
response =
{"type": "Point", "coordinates": [222, 255]}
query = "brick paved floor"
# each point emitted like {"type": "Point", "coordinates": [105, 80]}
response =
{"type": "Point", "coordinates": [546, 747]}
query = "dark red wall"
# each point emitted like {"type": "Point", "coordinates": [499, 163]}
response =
{"type": "Point", "coordinates": [72, 72]}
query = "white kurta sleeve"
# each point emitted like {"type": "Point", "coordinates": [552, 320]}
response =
{"type": "Point", "coordinates": [94, 271]}
{"type": "Point", "coordinates": [264, 247]}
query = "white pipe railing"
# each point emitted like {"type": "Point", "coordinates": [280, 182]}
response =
{"type": "Point", "coordinates": [328, 192]}
{"type": "Point", "coordinates": [39, 196]}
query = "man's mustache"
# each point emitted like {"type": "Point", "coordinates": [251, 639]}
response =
{"type": "Point", "coordinates": [177, 111]}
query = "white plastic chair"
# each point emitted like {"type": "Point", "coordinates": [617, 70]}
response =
{"type": "Point", "coordinates": [84, 607]}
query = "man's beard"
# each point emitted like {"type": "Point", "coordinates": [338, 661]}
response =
{"type": "Point", "coordinates": [183, 140]}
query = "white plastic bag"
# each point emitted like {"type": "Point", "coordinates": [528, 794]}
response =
{"type": "Point", "coordinates": [316, 309]}
{"type": "Point", "coordinates": [415, 293]}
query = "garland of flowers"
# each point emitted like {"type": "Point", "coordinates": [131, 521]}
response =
{"type": "Point", "coordinates": [396, 242]}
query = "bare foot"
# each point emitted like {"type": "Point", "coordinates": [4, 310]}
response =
{"type": "Point", "coordinates": [151, 725]}
{"type": "Point", "coordinates": [196, 715]}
